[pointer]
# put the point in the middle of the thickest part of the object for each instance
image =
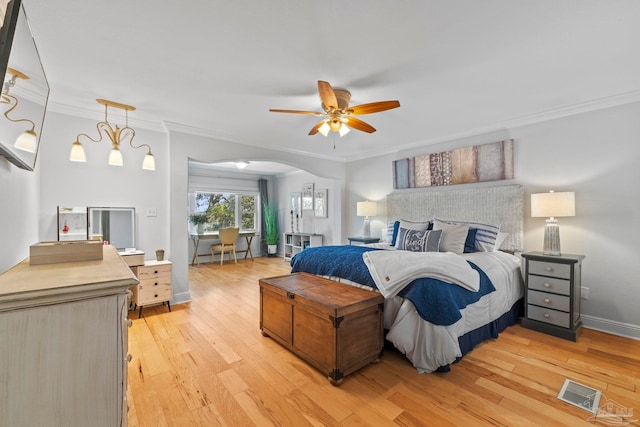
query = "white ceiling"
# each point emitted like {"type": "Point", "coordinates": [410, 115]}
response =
{"type": "Point", "coordinates": [458, 67]}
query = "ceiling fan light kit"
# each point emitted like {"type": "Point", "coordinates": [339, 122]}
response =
{"type": "Point", "coordinates": [338, 116]}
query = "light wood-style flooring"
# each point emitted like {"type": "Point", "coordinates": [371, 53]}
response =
{"type": "Point", "coordinates": [207, 364]}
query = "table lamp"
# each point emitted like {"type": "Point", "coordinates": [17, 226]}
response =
{"type": "Point", "coordinates": [552, 205]}
{"type": "Point", "coordinates": [366, 209]}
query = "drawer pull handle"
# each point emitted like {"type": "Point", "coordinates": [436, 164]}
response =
{"type": "Point", "coordinates": [290, 295]}
{"type": "Point", "coordinates": [548, 269]}
{"type": "Point", "coordinates": [155, 284]}
{"type": "Point", "coordinates": [155, 296]}
{"type": "Point", "coordinates": [155, 272]}
{"type": "Point", "coordinates": [547, 285]}
{"type": "Point", "coordinates": [547, 300]}
{"type": "Point", "coordinates": [547, 315]}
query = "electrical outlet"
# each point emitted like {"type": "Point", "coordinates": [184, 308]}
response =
{"type": "Point", "coordinates": [152, 212]}
{"type": "Point", "coordinates": [584, 292]}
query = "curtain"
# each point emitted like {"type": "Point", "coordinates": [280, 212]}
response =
{"type": "Point", "coordinates": [264, 198]}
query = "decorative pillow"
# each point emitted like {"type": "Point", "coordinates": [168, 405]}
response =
{"type": "Point", "coordinates": [416, 225]}
{"type": "Point", "coordinates": [419, 240]}
{"type": "Point", "coordinates": [500, 240]}
{"type": "Point", "coordinates": [453, 236]}
{"type": "Point", "coordinates": [485, 236]}
{"type": "Point", "coordinates": [470, 242]}
{"type": "Point", "coordinates": [392, 231]}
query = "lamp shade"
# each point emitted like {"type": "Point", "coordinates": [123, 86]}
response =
{"type": "Point", "coordinates": [366, 208]}
{"type": "Point", "coordinates": [553, 204]}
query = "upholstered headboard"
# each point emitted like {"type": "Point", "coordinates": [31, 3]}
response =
{"type": "Point", "coordinates": [501, 205]}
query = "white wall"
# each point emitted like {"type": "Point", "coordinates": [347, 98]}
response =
{"type": "Point", "coordinates": [595, 154]}
{"type": "Point", "coordinates": [95, 183]}
{"type": "Point", "coordinates": [19, 211]}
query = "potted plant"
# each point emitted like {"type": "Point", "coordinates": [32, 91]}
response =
{"type": "Point", "coordinates": [199, 219]}
{"type": "Point", "coordinates": [270, 228]}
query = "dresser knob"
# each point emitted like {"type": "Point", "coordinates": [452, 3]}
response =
{"type": "Point", "coordinates": [548, 269]}
{"type": "Point", "coordinates": [547, 300]}
{"type": "Point", "coordinates": [128, 358]}
{"type": "Point", "coordinates": [547, 285]}
{"type": "Point", "coordinates": [129, 323]}
{"type": "Point", "coordinates": [547, 315]}
{"type": "Point", "coordinates": [155, 284]}
{"type": "Point", "coordinates": [155, 296]}
{"type": "Point", "coordinates": [155, 272]}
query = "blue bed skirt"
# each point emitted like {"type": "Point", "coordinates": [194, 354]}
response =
{"type": "Point", "coordinates": [489, 331]}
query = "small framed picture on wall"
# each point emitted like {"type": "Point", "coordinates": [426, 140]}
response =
{"type": "Point", "coordinates": [320, 203]}
{"type": "Point", "coordinates": [307, 197]}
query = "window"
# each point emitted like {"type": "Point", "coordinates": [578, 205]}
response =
{"type": "Point", "coordinates": [227, 210]}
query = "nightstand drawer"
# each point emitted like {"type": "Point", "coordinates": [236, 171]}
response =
{"type": "Point", "coordinates": [146, 272]}
{"type": "Point", "coordinates": [550, 269]}
{"type": "Point", "coordinates": [546, 315]}
{"type": "Point", "coordinates": [152, 294]}
{"type": "Point", "coordinates": [549, 284]}
{"type": "Point", "coordinates": [543, 299]}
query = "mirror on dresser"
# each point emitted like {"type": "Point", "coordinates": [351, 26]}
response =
{"type": "Point", "coordinates": [113, 225]}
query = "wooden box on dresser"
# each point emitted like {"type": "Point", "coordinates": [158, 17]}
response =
{"type": "Point", "coordinates": [335, 327]}
{"type": "Point", "coordinates": [155, 284]}
{"type": "Point", "coordinates": [552, 297]}
{"type": "Point", "coordinates": [63, 343]}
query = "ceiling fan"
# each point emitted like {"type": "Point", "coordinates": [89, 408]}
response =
{"type": "Point", "coordinates": [338, 116]}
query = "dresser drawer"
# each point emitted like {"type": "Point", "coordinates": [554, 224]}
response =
{"type": "Point", "coordinates": [146, 272]}
{"type": "Point", "coordinates": [549, 284]}
{"type": "Point", "coordinates": [546, 315]}
{"type": "Point", "coordinates": [153, 294]}
{"type": "Point", "coordinates": [543, 299]}
{"type": "Point", "coordinates": [551, 269]}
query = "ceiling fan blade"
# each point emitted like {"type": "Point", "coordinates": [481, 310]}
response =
{"type": "Point", "coordinates": [327, 95]}
{"type": "Point", "coordinates": [273, 110]}
{"type": "Point", "coordinates": [373, 107]}
{"type": "Point", "coordinates": [314, 129]}
{"type": "Point", "coordinates": [358, 124]}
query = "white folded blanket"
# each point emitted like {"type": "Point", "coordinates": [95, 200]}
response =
{"type": "Point", "coordinates": [393, 270]}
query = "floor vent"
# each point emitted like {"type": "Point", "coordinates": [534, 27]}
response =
{"type": "Point", "coordinates": [580, 395]}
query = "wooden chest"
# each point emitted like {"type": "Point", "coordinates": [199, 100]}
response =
{"type": "Point", "coordinates": [335, 327]}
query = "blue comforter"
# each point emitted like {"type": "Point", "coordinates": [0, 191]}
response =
{"type": "Point", "coordinates": [436, 301]}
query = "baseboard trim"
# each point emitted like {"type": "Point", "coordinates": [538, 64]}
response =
{"type": "Point", "coordinates": [612, 327]}
{"type": "Point", "coordinates": [181, 298]}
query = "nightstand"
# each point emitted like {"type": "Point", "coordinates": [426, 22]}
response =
{"type": "Point", "coordinates": [552, 294]}
{"type": "Point", "coordinates": [363, 239]}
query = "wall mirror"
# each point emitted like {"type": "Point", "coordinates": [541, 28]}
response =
{"type": "Point", "coordinates": [25, 90]}
{"type": "Point", "coordinates": [113, 225]}
{"type": "Point", "coordinates": [296, 198]}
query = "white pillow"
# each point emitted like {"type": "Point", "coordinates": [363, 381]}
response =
{"type": "Point", "coordinates": [453, 236]}
{"type": "Point", "coordinates": [485, 236]}
{"type": "Point", "coordinates": [500, 240]}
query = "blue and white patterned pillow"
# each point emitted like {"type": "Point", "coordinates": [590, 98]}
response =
{"type": "Point", "coordinates": [485, 236]}
{"type": "Point", "coordinates": [418, 240]}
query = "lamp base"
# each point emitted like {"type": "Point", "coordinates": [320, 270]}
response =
{"type": "Point", "coordinates": [551, 238]}
{"type": "Point", "coordinates": [366, 227]}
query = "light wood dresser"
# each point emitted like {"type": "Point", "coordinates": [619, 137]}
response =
{"type": "Point", "coordinates": [155, 284]}
{"type": "Point", "coordinates": [63, 343]}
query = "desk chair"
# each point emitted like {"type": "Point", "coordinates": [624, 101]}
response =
{"type": "Point", "coordinates": [227, 243]}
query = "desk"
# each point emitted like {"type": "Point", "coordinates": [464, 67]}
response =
{"type": "Point", "coordinates": [248, 236]}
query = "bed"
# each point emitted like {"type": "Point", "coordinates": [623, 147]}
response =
{"type": "Point", "coordinates": [440, 301]}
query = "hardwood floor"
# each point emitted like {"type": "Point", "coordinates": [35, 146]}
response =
{"type": "Point", "coordinates": [207, 364]}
